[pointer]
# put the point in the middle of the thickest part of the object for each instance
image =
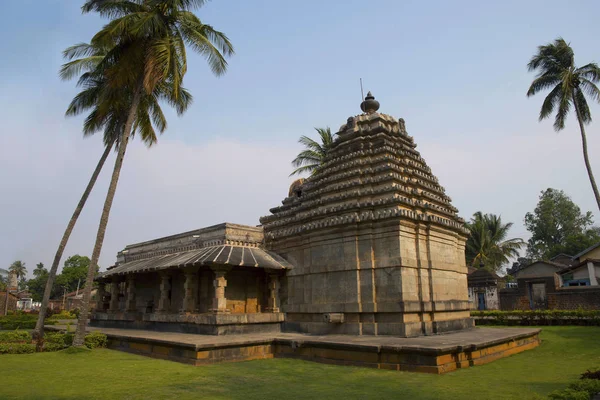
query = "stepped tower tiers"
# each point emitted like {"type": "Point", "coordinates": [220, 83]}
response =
{"type": "Point", "coordinates": [376, 245]}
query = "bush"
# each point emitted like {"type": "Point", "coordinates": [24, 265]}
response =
{"type": "Point", "coordinates": [538, 317]}
{"type": "Point", "coordinates": [15, 336]}
{"type": "Point", "coordinates": [18, 321]}
{"type": "Point", "coordinates": [95, 339]}
{"type": "Point", "coordinates": [591, 374]}
{"type": "Point", "coordinates": [17, 348]}
{"type": "Point", "coordinates": [52, 347]}
{"type": "Point", "coordinates": [62, 339]}
{"type": "Point", "coordinates": [590, 386]}
{"type": "Point", "coordinates": [64, 315]}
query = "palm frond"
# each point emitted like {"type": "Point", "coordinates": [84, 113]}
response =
{"type": "Point", "coordinates": [564, 105]}
{"type": "Point", "coordinates": [590, 88]}
{"type": "Point", "coordinates": [582, 106]}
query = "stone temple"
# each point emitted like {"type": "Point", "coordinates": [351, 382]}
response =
{"type": "Point", "coordinates": [368, 246]}
{"type": "Point", "coordinates": [373, 239]}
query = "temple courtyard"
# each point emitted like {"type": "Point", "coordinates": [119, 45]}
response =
{"type": "Point", "coordinates": [565, 352]}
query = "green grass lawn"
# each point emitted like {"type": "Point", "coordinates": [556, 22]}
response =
{"type": "Point", "coordinates": [106, 374]}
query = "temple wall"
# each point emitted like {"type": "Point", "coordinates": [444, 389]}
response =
{"type": "Point", "coordinates": [245, 291]}
{"type": "Point", "coordinates": [146, 290]}
{"type": "Point", "coordinates": [380, 277]}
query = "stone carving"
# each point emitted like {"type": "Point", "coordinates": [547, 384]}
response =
{"type": "Point", "coordinates": [402, 126]}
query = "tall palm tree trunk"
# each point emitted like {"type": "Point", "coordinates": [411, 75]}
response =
{"type": "Point", "coordinates": [78, 340]}
{"type": "Point", "coordinates": [585, 153]}
{"type": "Point", "coordinates": [38, 334]}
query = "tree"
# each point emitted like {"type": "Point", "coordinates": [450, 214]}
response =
{"type": "Point", "coordinates": [487, 243]}
{"type": "Point", "coordinates": [18, 268]}
{"type": "Point", "coordinates": [518, 265]}
{"type": "Point", "coordinates": [569, 86]}
{"type": "Point", "coordinates": [557, 225]}
{"type": "Point", "coordinates": [39, 270]}
{"type": "Point", "coordinates": [312, 157]}
{"type": "Point", "coordinates": [148, 39]}
{"type": "Point", "coordinates": [74, 274]}
{"type": "Point", "coordinates": [109, 111]}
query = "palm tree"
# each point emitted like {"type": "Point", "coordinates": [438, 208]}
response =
{"type": "Point", "coordinates": [147, 40]}
{"type": "Point", "coordinates": [109, 111]}
{"type": "Point", "coordinates": [487, 244]}
{"type": "Point", "coordinates": [18, 268]}
{"type": "Point", "coordinates": [312, 157]}
{"type": "Point", "coordinates": [39, 270]}
{"type": "Point", "coordinates": [569, 85]}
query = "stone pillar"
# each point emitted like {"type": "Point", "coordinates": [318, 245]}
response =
{"type": "Point", "coordinates": [219, 304]}
{"type": "Point", "coordinates": [130, 299]}
{"type": "Point", "coordinates": [114, 295]}
{"type": "Point", "coordinates": [273, 305]}
{"type": "Point", "coordinates": [592, 274]}
{"type": "Point", "coordinates": [100, 293]}
{"type": "Point", "coordinates": [163, 302]}
{"type": "Point", "coordinates": [190, 292]}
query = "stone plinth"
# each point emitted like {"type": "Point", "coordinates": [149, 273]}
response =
{"type": "Point", "coordinates": [206, 323]}
{"type": "Point", "coordinates": [432, 354]}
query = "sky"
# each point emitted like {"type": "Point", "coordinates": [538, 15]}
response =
{"type": "Point", "coordinates": [455, 71]}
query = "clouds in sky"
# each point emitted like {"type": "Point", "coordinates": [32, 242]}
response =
{"type": "Point", "coordinates": [456, 72]}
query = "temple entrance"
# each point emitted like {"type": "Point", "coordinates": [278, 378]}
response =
{"type": "Point", "coordinates": [481, 301]}
{"type": "Point", "coordinates": [537, 296]}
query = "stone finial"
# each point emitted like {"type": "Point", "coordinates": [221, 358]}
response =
{"type": "Point", "coordinates": [370, 105]}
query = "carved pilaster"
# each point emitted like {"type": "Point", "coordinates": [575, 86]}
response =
{"type": "Point", "coordinates": [219, 305]}
{"type": "Point", "coordinates": [100, 294]}
{"type": "Point", "coordinates": [190, 290]}
{"type": "Point", "coordinates": [130, 299]}
{"type": "Point", "coordinates": [273, 305]}
{"type": "Point", "coordinates": [114, 295]}
{"type": "Point", "coordinates": [164, 303]}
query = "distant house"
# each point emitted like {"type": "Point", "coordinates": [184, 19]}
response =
{"type": "Point", "coordinates": [12, 302]}
{"type": "Point", "coordinates": [564, 282]}
{"type": "Point", "coordinates": [483, 289]}
{"type": "Point", "coordinates": [585, 269]}
{"type": "Point", "coordinates": [69, 301]}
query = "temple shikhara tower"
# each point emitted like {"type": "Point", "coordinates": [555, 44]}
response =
{"type": "Point", "coordinates": [376, 246]}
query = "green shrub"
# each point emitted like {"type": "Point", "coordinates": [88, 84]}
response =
{"type": "Point", "coordinates": [64, 315]}
{"type": "Point", "coordinates": [591, 374]}
{"type": "Point", "coordinates": [17, 348]}
{"type": "Point", "coordinates": [53, 347]}
{"type": "Point", "coordinates": [62, 339]}
{"type": "Point", "coordinates": [569, 394]}
{"type": "Point", "coordinates": [590, 386]}
{"type": "Point", "coordinates": [538, 317]}
{"type": "Point", "coordinates": [95, 339]}
{"type": "Point", "coordinates": [15, 336]}
{"type": "Point", "coordinates": [20, 321]}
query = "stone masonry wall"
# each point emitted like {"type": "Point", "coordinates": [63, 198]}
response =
{"type": "Point", "coordinates": [587, 298]}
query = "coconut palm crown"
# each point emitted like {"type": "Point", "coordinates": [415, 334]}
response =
{"type": "Point", "coordinates": [312, 157]}
{"type": "Point", "coordinates": [487, 244]}
{"type": "Point", "coordinates": [147, 42]}
{"type": "Point", "coordinates": [18, 268]}
{"type": "Point", "coordinates": [569, 85]}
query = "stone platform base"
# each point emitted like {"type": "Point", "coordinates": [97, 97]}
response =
{"type": "Point", "coordinates": [433, 354]}
{"type": "Point", "coordinates": [204, 324]}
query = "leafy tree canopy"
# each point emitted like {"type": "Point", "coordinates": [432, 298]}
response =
{"type": "Point", "coordinates": [74, 272]}
{"type": "Point", "coordinates": [557, 225]}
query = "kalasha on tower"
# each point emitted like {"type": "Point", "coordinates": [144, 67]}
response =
{"type": "Point", "coordinates": [376, 246]}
